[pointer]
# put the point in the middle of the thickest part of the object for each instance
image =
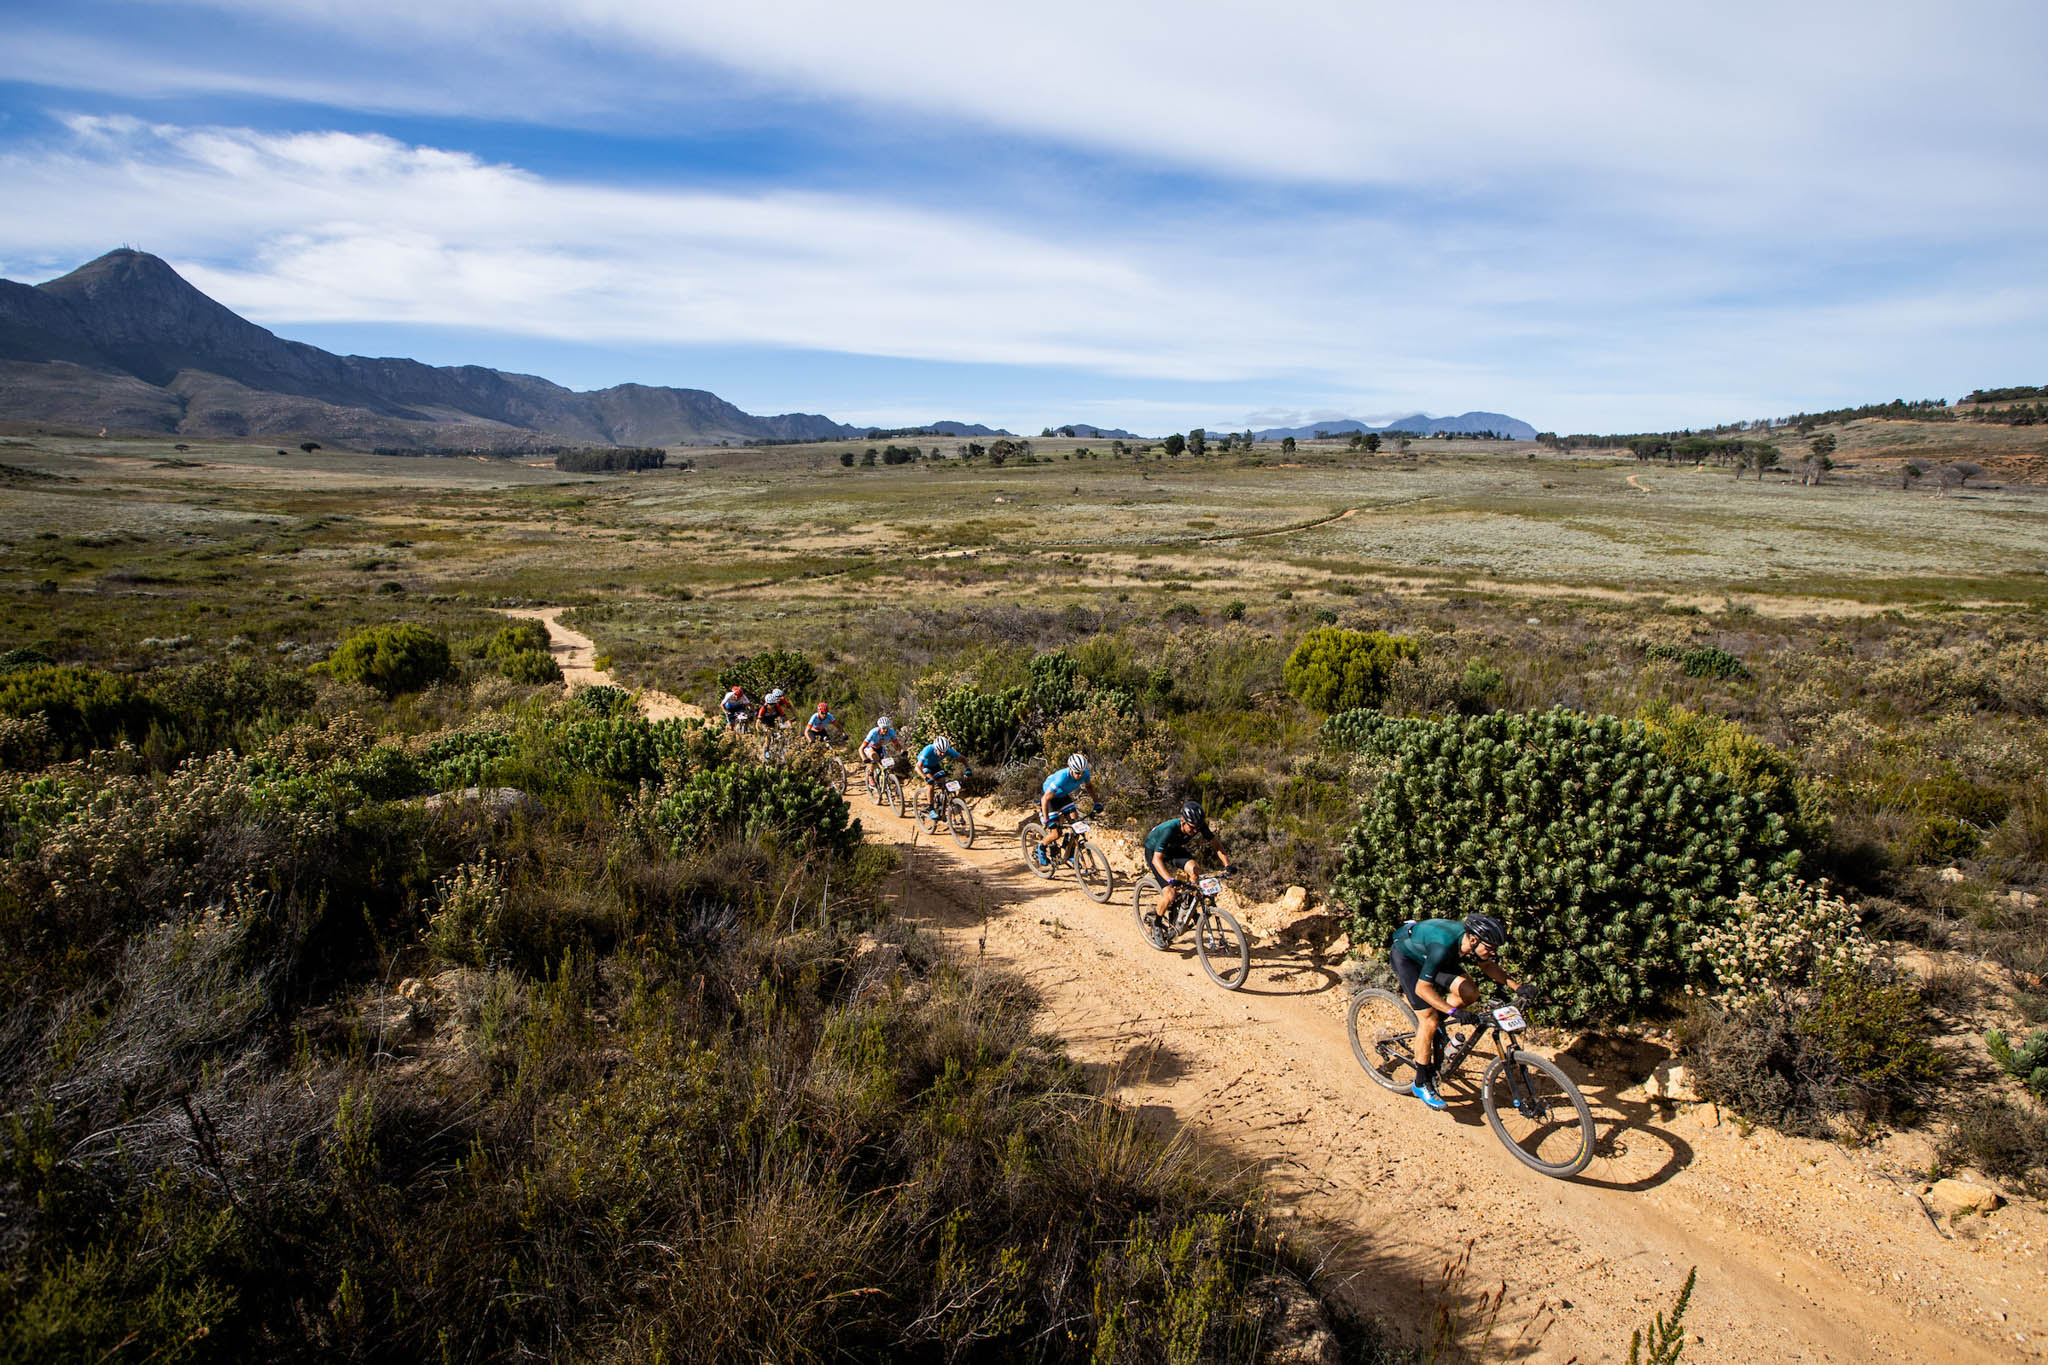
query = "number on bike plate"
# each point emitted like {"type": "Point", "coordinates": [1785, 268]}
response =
{"type": "Point", "coordinates": [1509, 1018]}
{"type": "Point", "coordinates": [952, 786]}
{"type": "Point", "coordinates": [1078, 828]}
{"type": "Point", "coordinates": [1210, 886]}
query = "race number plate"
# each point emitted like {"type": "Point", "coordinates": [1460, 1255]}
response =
{"type": "Point", "coordinates": [952, 786]}
{"type": "Point", "coordinates": [1210, 886]}
{"type": "Point", "coordinates": [1510, 1019]}
{"type": "Point", "coordinates": [1078, 828]}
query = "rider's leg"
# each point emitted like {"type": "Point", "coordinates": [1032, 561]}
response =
{"type": "Point", "coordinates": [1048, 833]}
{"type": "Point", "coordinates": [1165, 875]}
{"type": "Point", "coordinates": [1426, 1022]}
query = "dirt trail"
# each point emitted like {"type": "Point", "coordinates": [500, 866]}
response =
{"type": "Point", "coordinates": [1806, 1251]}
{"type": "Point", "coordinates": [577, 655]}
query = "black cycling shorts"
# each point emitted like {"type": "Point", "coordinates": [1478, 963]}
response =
{"type": "Point", "coordinates": [1408, 971]}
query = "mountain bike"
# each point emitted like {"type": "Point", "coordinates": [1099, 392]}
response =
{"type": "Point", "coordinates": [885, 788]}
{"type": "Point", "coordinates": [1531, 1105]}
{"type": "Point", "coordinates": [1225, 953]}
{"type": "Point", "coordinates": [1072, 849]}
{"type": "Point", "coordinates": [945, 808]}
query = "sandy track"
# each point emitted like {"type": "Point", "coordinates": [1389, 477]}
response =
{"type": "Point", "coordinates": [577, 655]}
{"type": "Point", "coordinates": [1806, 1252]}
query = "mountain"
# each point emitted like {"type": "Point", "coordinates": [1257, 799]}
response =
{"type": "Point", "coordinates": [1421, 423]}
{"type": "Point", "coordinates": [935, 429]}
{"type": "Point", "coordinates": [1072, 430]}
{"type": "Point", "coordinates": [126, 342]}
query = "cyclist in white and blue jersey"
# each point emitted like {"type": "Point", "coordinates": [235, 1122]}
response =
{"type": "Point", "coordinates": [820, 727]}
{"type": "Point", "coordinates": [931, 764]}
{"type": "Point", "coordinates": [1056, 801]}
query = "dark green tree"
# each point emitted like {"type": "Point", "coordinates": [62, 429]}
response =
{"type": "Point", "coordinates": [1334, 670]}
{"type": "Point", "coordinates": [1198, 442]}
{"type": "Point", "coordinates": [1176, 443]}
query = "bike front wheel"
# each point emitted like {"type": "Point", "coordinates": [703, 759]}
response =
{"type": "Point", "coordinates": [1097, 878]}
{"type": "Point", "coordinates": [835, 773]}
{"type": "Point", "coordinates": [1538, 1114]}
{"type": "Point", "coordinates": [892, 794]}
{"type": "Point", "coordinates": [1382, 1029]}
{"type": "Point", "coordinates": [1144, 909]}
{"type": "Point", "coordinates": [1027, 844]}
{"type": "Point", "coordinates": [960, 822]}
{"type": "Point", "coordinates": [1225, 952]}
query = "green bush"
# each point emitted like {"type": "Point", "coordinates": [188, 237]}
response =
{"type": "Point", "coordinates": [1602, 857]}
{"type": "Point", "coordinates": [1055, 687]}
{"type": "Point", "coordinates": [603, 699]}
{"type": "Point", "coordinates": [456, 759]}
{"type": "Point", "coordinates": [2027, 1062]}
{"type": "Point", "coordinates": [530, 666]}
{"type": "Point", "coordinates": [1334, 670]}
{"type": "Point", "coordinates": [521, 637]}
{"type": "Point", "coordinates": [82, 708]}
{"type": "Point", "coordinates": [981, 724]}
{"type": "Point", "coordinates": [392, 659]}
{"type": "Point", "coordinates": [216, 704]}
{"type": "Point", "coordinates": [744, 800]}
{"type": "Point", "coordinates": [1708, 744]}
{"type": "Point", "coordinates": [1700, 661]}
{"type": "Point", "coordinates": [782, 668]}
{"type": "Point", "coordinates": [626, 750]}
{"type": "Point", "coordinates": [1233, 611]}
{"type": "Point", "coordinates": [1875, 1029]}
{"type": "Point", "coordinates": [1942, 839]}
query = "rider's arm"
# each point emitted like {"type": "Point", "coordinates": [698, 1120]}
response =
{"type": "Point", "coordinates": [1500, 977]}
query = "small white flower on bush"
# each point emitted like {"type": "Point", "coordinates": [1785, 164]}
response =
{"type": "Point", "coordinates": [466, 927]}
{"type": "Point", "coordinates": [1790, 935]}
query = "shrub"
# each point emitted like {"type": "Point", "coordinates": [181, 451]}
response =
{"type": "Point", "coordinates": [1942, 839]}
{"type": "Point", "coordinates": [1335, 670]}
{"type": "Point", "coordinates": [520, 637]}
{"type": "Point", "coordinates": [530, 666]}
{"type": "Point", "coordinates": [212, 705]}
{"type": "Point", "coordinates": [1791, 934]}
{"type": "Point", "coordinates": [1603, 858]}
{"type": "Point", "coordinates": [1055, 687]}
{"type": "Point", "coordinates": [1708, 744]}
{"type": "Point", "coordinates": [1856, 1045]}
{"type": "Point", "coordinates": [1233, 611]}
{"type": "Point", "coordinates": [746, 801]}
{"type": "Point", "coordinates": [1700, 661]}
{"type": "Point", "coordinates": [603, 699]}
{"type": "Point", "coordinates": [81, 708]}
{"type": "Point", "coordinates": [460, 758]}
{"type": "Point", "coordinates": [2028, 1062]}
{"type": "Point", "coordinates": [1134, 763]}
{"type": "Point", "coordinates": [392, 659]}
{"type": "Point", "coordinates": [782, 668]}
{"type": "Point", "coordinates": [468, 925]}
{"type": "Point", "coordinates": [980, 724]}
{"type": "Point", "coordinates": [2002, 1139]}
{"type": "Point", "coordinates": [22, 656]}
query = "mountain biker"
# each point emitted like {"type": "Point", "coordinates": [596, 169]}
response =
{"type": "Point", "coordinates": [775, 709]}
{"type": "Point", "coordinates": [931, 763]}
{"type": "Point", "coordinates": [879, 745]}
{"type": "Point", "coordinates": [1428, 958]}
{"type": "Point", "coordinates": [1172, 848]}
{"type": "Point", "coordinates": [1056, 801]}
{"type": "Point", "coordinates": [737, 706]}
{"type": "Point", "coordinates": [818, 729]}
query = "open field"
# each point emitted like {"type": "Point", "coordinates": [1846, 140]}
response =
{"type": "Point", "coordinates": [1889, 645]}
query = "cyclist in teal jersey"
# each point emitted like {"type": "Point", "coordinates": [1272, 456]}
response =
{"type": "Point", "coordinates": [1428, 959]}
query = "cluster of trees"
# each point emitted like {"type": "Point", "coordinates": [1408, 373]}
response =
{"type": "Point", "coordinates": [888, 455]}
{"type": "Point", "coordinates": [2019, 415]}
{"type": "Point", "coordinates": [623, 460]}
{"type": "Point", "coordinates": [2006, 395]}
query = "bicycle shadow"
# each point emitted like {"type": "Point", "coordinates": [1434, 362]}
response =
{"type": "Point", "coordinates": [1623, 1130]}
{"type": "Point", "coordinates": [1283, 962]}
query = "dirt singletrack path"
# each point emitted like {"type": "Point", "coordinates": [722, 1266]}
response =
{"type": "Point", "coordinates": [1806, 1252]}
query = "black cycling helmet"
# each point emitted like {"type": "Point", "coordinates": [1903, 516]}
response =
{"type": "Point", "coordinates": [1191, 811]}
{"type": "Point", "coordinates": [1486, 929]}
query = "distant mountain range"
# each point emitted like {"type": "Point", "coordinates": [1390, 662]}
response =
{"type": "Point", "coordinates": [1081, 430]}
{"type": "Point", "coordinates": [126, 343]}
{"type": "Point", "coordinates": [1464, 423]}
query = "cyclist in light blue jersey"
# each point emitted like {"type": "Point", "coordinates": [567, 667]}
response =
{"type": "Point", "coordinates": [1056, 801]}
{"type": "Point", "coordinates": [820, 728]}
{"type": "Point", "coordinates": [931, 765]}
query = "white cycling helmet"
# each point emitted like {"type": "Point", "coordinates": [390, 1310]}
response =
{"type": "Point", "coordinates": [774, 695]}
{"type": "Point", "coordinates": [941, 743]}
{"type": "Point", "coordinates": [1077, 764]}
{"type": "Point", "coordinates": [884, 723]}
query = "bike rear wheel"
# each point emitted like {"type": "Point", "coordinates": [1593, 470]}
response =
{"type": "Point", "coordinates": [1027, 843]}
{"type": "Point", "coordinates": [1382, 1029]}
{"type": "Point", "coordinates": [1225, 952]}
{"type": "Point", "coordinates": [960, 822]}
{"type": "Point", "coordinates": [1145, 902]}
{"type": "Point", "coordinates": [1538, 1114]}
{"type": "Point", "coordinates": [1097, 878]}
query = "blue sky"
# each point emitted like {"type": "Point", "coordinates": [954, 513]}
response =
{"type": "Point", "coordinates": [1590, 216]}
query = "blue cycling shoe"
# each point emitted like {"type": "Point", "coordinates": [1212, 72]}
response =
{"type": "Point", "coordinates": [1427, 1094]}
